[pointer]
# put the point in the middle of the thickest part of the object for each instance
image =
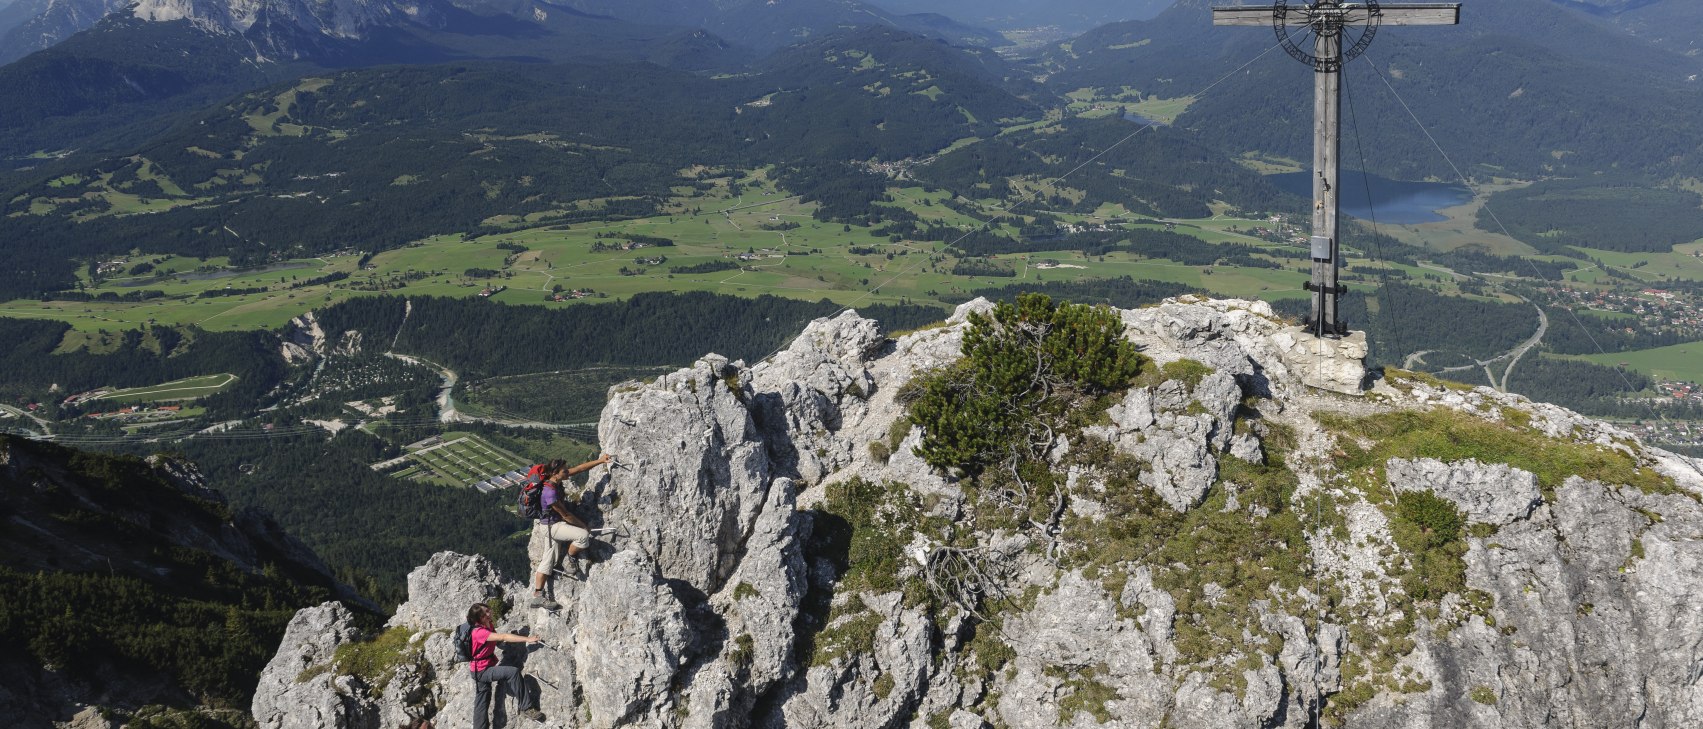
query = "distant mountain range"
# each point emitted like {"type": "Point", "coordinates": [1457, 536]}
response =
{"type": "Point", "coordinates": [1071, 15]}
{"type": "Point", "coordinates": [769, 24]}
{"type": "Point", "coordinates": [322, 31]}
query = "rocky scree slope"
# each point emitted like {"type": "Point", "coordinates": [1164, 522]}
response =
{"type": "Point", "coordinates": [1209, 543]}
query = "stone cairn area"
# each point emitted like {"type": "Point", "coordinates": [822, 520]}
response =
{"type": "Point", "coordinates": [1256, 533]}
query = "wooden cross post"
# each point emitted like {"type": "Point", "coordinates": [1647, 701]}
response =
{"type": "Point", "coordinates": [1326, 20]}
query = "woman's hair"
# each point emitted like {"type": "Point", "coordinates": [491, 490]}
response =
{"type": "Point", "coordinates": [479, 613]}
{"type": "Point", "coordinates": [555, 467]}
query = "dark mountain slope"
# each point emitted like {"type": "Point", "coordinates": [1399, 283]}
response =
{"type": "Point", "coordinates": [129, 76]}
{"type": "Point", "coordinates": [122, 73]}
{"type": "Point", "coordinates": [1676, 25]}
{"type": "Point", "coordinates": [129, 584]}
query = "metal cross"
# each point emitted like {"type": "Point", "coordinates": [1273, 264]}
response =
{"type": "Point", "coordinates": [1330, 22]}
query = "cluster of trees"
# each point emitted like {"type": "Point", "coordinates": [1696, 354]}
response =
{"type": "Point", "coordinates": [979, 267]}
{"type": "Point", "coordinates": [128, 296]}
{"type": "Point", "coordinates": [217, 293]}
{"type": "Point", "coordinates": [482, 338]}
{"type": "Point", "coordinates": [1628, 215]}
{"type": "Point", "coordinates": [705, 267]}
{"type": "Point", "coordinates": [560, 397]}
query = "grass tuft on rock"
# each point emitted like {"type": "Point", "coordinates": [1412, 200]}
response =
{"type": "Point", "coordinates": [1450, 436]}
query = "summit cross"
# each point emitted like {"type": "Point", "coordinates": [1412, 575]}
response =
{"type": "Point", "coordinates": [1330, 23]}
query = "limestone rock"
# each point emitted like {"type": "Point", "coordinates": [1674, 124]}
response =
{"type": "Point", "coordinates": [297, 690]}
{"type": "Point", "coordinates": [630, 641]}
{"type": "Point", "coordinates": [1337, 365]}
{"type": "Point", "coordinates": [712, 604]}
{"type": "Point", "coordinates": [1490, 493]}
{"type": "Point", "coordinates": [441, 591]}
{"type": "Point", "coordinates": [687, 493]}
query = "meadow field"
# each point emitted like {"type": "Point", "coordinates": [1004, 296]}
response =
{"type": "Point", "coordinates": [461, 459]}
{"type": "Point", "coordinates": [1678, 362]}
{"type": "Point", "coordinates": [768, 241]}
{"type": "Point", "coordinates": [760, 241]}
{"type": "Point", "coordinates": [189, 388]}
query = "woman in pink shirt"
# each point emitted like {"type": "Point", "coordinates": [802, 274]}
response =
{"type": "Point", "coordinates": [487, 672]}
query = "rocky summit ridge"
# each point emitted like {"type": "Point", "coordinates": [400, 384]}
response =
{"type": "Point", "coordinates": [1216, 545]}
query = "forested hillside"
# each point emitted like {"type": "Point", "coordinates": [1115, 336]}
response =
{"type": "Point", "coordinates": [485, 339]}
{"type": "Point", "coordinates": [1159, 172]}
{"type": "Point", "coordinates": [1523, 87]}
{"type": "Point", "coordinates": [1590, 213]}
{"type": "Point", "coordinates": [40, 367]}
{"type": "Point", "coordinates": [142, 589]}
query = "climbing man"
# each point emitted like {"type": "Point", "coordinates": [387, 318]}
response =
{"type": "Point", "coordinates": [569, 535]}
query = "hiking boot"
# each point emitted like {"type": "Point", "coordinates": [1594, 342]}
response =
{"type": "Point", "coordinates": [540, 601]}
{"type": "Point", "coordinates": [572, 569]}
{"type": "Point", "coordinates": [534, 714]}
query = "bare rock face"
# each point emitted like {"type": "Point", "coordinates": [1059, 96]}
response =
{"type": "Point", "coordinates": [1180, 433]}
{"type": "Point", "coordinates": [296, 691]}
{"type": "Point", "coordinates": [1337, 365]}
{"type": "Point", "coordinates": [441, 590]}
{"type": "Point", "coordinates": [737, 590]}
{"type": "Point", "coordinates": [1489, 493]}
{"type": "Point", "coordinates": [631, 639]}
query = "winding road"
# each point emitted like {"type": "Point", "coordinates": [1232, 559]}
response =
{"type": "Point", "coordinates": [1513, 356]}
{"type": "Point", "coordinates": [447, 412]}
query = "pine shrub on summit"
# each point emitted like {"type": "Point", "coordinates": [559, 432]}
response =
{"type": "Point", "coordinates": [1014, 361]}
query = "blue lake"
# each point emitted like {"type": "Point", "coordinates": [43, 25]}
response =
{"type": "Point", "coordinates": [1396, 202]}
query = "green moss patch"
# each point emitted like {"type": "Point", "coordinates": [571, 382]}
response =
{"type": "Point", "coordinates": [375, 661]}
{"type": "Point", "coordinates": [1450, 436]}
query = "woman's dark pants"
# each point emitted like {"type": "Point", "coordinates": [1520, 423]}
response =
{"type": "Point", "coordinates": [513, 684]}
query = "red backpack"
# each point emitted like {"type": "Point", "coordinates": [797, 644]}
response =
{"type": "Point", "coordinates": [529, 503]}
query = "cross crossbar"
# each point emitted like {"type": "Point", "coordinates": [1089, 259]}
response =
{"type": "Point", "coordinates": [1326, 22]}
{"type": "Point", "coordinates": [1352, 14]}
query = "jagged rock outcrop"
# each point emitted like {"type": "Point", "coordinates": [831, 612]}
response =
{"type": "Point", "coordinates": [1228, 545]}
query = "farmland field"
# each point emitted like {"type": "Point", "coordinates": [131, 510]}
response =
{"type": "Point", "coordinates": [460, 459]}
{"type": "Point", "coordinates": [191, 388]}
{"type": "Point", "coordinates": [1678, 362]}
{"type": "Point", "coordinates": [761, 241]}
{"type": "Point", "coordinates": [765, 242]}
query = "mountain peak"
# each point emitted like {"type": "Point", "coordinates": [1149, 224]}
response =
{"type": "Point", "coordinates": [1213, 541]}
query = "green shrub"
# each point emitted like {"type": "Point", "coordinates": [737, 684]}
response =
{"type": "Point", "coordinates": [1015, 362]}
{"type": "Point", "coordinates": [1483, 695]}
{"type": "Point", "coordinates": [1428, 528]}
